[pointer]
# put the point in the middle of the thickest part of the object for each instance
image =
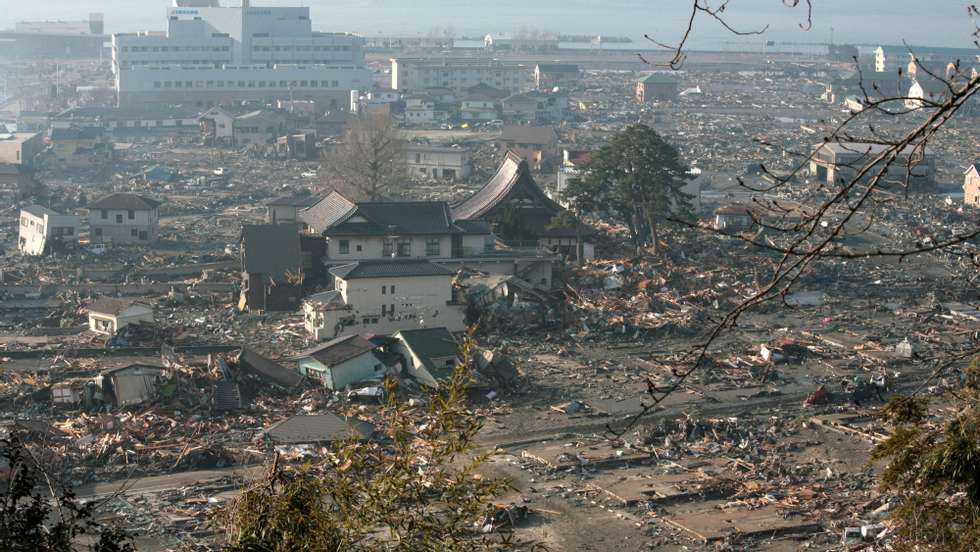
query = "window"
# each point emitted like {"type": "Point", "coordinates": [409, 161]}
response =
{"type": "Point", "coordinates": [392, 290]}
{"type": "Point", "coordinates": [391, 311]}
{"type": "Point", "coordinates": [432, 247]}
{"type": "Point", "coordinates": [344, 247]}
{"type": "Point", "coordinates": [98, 231]}
{"type": "Point", "coordinates": [105, 214]}
{"type": "Point", "coordinates": [360, 248]}
{"type": "Point", "coordinates": [131, 214]}
{"type": "Point", "coordinates": [405, 249]}
{"type": "Point", "coordinates": [134, 232]}
{"type": "Point", "coordinates": [69, 231]}
{"type": "Point", "coordinates": [384, 289]}
{"type": "Point", "coordinates": [388, 248]}
{"type": "Point", "coordinates": [384, 310]}
{"type": "Point", "coordinates": [118, 219]}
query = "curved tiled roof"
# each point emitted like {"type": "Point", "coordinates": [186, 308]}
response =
{"type": "Point", "coordinates": [514, 175]}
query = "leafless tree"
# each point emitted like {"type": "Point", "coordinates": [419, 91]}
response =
{"type": "Point", "coordinates": [369, 161]}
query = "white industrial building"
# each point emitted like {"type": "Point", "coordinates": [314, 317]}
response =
{"type": "Point", "coordinates": [211, 55]}
{"type": "Point", "coordinates": [459, 74]}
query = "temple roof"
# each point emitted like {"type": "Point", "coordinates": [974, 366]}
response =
{"type": "Point", "coordinates": [513, 179]}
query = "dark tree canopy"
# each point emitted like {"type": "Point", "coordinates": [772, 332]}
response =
{"type": "Point", "coordinates": [636, 179]}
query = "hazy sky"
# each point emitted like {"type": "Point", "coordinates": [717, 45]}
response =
{"type": "Point", "coordinates": [920, 22]}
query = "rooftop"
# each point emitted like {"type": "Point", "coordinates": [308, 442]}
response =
{"type": "Point", "coordinates": [390, 268]}
{"type": "Point", "coordinates": [39, 211]}
{"type": "Point", "coordinates": [125, 201]}
{"type": "Point", "coordinates": [339, 350]}
{"type": "Point", "coordinates": [321, 428]}
{"type": "Point", "coordinates": [395, 218]}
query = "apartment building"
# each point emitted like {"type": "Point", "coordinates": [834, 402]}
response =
{"type": "Point", "coordinates": [459, 74]}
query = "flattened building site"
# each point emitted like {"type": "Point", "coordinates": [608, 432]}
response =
{"type": "Point", "coordinates": [268, 283]}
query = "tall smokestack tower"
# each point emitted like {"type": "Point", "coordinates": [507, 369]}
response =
{"type": "Point", "coordinates": [246, 40]}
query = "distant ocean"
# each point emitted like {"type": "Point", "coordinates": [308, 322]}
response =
{"type": "Point", "coordinates": [937, 23]}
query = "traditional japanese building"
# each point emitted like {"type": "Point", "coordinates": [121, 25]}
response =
{"type": "Point", "coordinates": [520, 212]}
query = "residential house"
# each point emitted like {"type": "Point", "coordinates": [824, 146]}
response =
{"type": "Point", "coordinates": [108, 315]}
{"type": "Point", "coordinates": [481, 103]}
{"type": "Point", "coordinates": [324, 213]}
{"type": "Point", "coordinates": [43, 230]}
{"type": "Point", "coordinates": [437, 162]}
{"type": "Point", "coordinates": [124, 218]}
{"type": "Point", "coordinates": [377, 101]}
{"type": "Point", "coordinates": [260, 127]}
{"type": "Point", "coordinates": [131, 385]}
{"type": "Point", "coordinates": [342, 362]}
{"type": "Point", "coordinates": [80, 147]}
{"type": "Point", "coordinates": [838, 162]}
{"type": "Point", "coordinates": [217, 126]}
{"type": "Point", "coordinates": [285, 209]}
{"type": "Point", "coordinates": [421, 111]}
{"type": "Point", "coordinates": [429, 355]}
{"type": "Point", "coordinates": [971, 186]}
{"type": "Point", "coordinates": [375, 230]}
{"type": "Point", "coordinates": [272, 267]}
{"type": "Point", "coordinates": [533, 143]}
{"type": "Point", "coordinates": [21, 148]}
{"type": "Point", "coordinates": [535, 107]}
{"type": "Point", "coordinates": [521, 213]}
{"type": "Point", "coordinates": [383, 296]}
{"type": "Point", "coordinates": [548, 76]}
{"type": "Point", "coordinates": [656, 86]}
{"type": "Point", "coordinates": [319, 429]}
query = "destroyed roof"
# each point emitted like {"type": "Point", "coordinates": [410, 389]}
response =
{"type": "Point", "coordinates": [113, 305]}
{"type": "Point", "coordinates": [395, 218]}
{"type": "Point", "coordinates": [428, 344]}
{"type": "Point", "coordinates": [133, 367]}
{"type": "Point", "coordinates": [126, 201]}
{"type": "Point", "coordinates": [513, 178]}
{"type": "Point", "coordinates": [973, 167]}
{"type": "Point", "coordinates": [321, 428]}
{"type": "Point", "coordinates": [657, 78]}
{"type": "Point", "coordinates": [39, 211]}
{"type": "Point", "coordinates": [326, 212]}
{"type": "Point", "coordinates": [293, 201]}
{"type": "Point", "coordinates": [529, 134]}
{"type": "Point", "coordinates": [332, 298]}
{"type": "Point", "coordinates": [271, 249]}
{"type": "Point", "coordinates": [339, 350]}
{"type": "Point", "coordinates": [390, 268]}
{"type": "Point", "coordinates": [268, 369]}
